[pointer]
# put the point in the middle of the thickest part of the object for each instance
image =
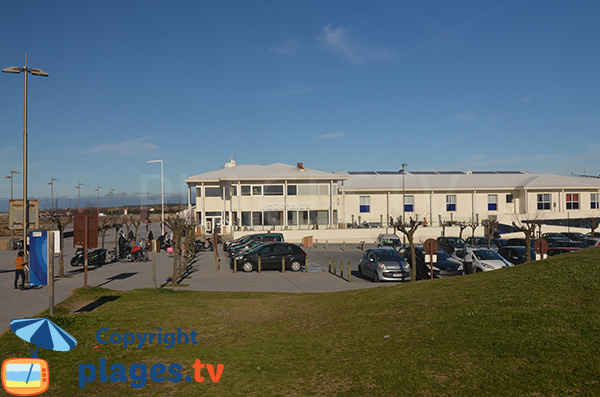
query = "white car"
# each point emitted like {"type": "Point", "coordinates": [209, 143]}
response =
{"type": "Point", "coordinates": [484, 259]}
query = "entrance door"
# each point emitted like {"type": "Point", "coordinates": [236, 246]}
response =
{"type": "Point", "coordinates": [212, 222]}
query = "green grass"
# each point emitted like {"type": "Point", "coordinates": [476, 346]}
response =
{"type": "Point", "coordinates": [529, 330]}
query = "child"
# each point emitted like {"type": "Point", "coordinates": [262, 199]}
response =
{"type": "Point", "coordinates": [20, 272]}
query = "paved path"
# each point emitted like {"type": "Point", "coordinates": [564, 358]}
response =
{"type": "Point", "coordinates": [204, 277]}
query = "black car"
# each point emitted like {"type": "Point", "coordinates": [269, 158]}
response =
{"type": "Point", "coordinates": [450, 244]}
{"type": "Point", "coordinates": [516, 254]}
{"type": "Point", "coordinates": [568, 244]}
{"type": "Point", "coordinates": [500, 242]}
{"type": "Point", "coordinates": [271, 255]}
{"type": "Point", "coordinates": [443, 266]}
{"type": "Point", "coordinates": [518, 242]}
{"type": "Point", "coordinates": [260, 236]}
{"type": "Point", "coordinates": [574, 236]}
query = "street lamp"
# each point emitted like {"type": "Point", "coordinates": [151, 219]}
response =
{"type": "Point", "coordinates": [35, 72]}
{"type": "Point", "coordinates": [111, 199]}
{"type": "Point", "coordinates": [98, 197]}
{"type": "Point", "coordinates": [123, 201]}
{"type": "Point", "coordinates": [403, 194]}
{"type": "Point", "coordinates": [11, 176]}
{"type": "Point", "coordinates": [51, 183]}
{"type": "Point", "coordinates": [78, 187]}
{"type": "Point", "coordinates": [162, 194]}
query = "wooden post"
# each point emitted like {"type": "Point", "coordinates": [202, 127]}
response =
{"type": "Point", "coordinates": [306, 264]}
{"type": "Point", "coordinates": [259, 263]}
{"type": "Point", "coordinates": [334, 271]}
{"type": "Point", "coordinates": [50, 273]}
{"type": "Point", "coordinates": [349, 273]}
{"type": "Point", "coordinates": [235, 265]}
{"type": "Point", "coordinates": [85, 252]}
{"type": "Point", "coordinates": [315, 243]}
{"type": "Point", "coordinates": [341, 269]}
{"type": "Point", "coordinates": [153, 246]}
{"type": "Point", "coordinates": [282, 264]}
{"type": "Point", "coordinates": [329, 265]}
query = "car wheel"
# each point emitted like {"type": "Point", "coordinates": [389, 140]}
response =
{"type": "Point", "coordinates": [375, 276]}
{"type": "Point", "coordinates": [247, 267]}
{"type": "Point", "coordinates": [360, 273]}
{"type": "Point", "coordinates": [295, 265]}
{"type": "Point", "coordinates": [478, 270]}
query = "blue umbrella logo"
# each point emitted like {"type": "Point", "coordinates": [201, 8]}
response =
{"type": "Point", "coordinates": [43, 332]}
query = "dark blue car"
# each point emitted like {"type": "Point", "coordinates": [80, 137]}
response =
{"type": "Point", "coordinates": [443, 266]}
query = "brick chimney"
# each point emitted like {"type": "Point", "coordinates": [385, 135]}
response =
{"type": "Point", "coordinates": [300, 167]}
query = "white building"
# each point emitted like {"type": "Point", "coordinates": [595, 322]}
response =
{"type": "Point", "coordinates": [285, 197]}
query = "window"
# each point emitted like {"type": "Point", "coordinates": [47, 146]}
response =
{"type": "Point", "coordinates": [282, 249]}
{"type": "Point", "coordinates": [313, 190]}
{"type": "Point", "coordinates": [543, 201]}
{"type": "Point", "coordinates": [246, 218]}
{"type": "Point", "coordinates": [492, 202]}
{"type": "Point", "coordinates": [365, 204]}
{"type": "Point", "coordinates": [509, 198]}
{"type": "Point", "coordinates": [594, 201]}
{"type": "Point", "coordinates": [273, 190]}
{"type": "Point", "coordinates": [572, 201]}
{"type": "Point", "coordinates": [256, 218]}
{"type": "Point", "coordinates": [451, 202]}
{"type": "Point", "coordinates": [292, 190]}
{"type": "Point", "coordinates": [245, 190]}
{"type": "Point", "coordinates": [256, 190]}
{"type": "Point", "coordinates": [273, 217]}
{"type": "Point", "coordinates": [409, 203]}
{"type": "Point", "coordinates": [212, 191]}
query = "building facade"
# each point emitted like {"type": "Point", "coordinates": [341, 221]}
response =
{"type": "Point", "coordinates": [281, 196]}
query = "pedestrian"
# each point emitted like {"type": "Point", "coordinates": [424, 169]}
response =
{"type": "Point", "coordinates": [20, 270]}
{"type": "Point", "coordinates": [425, 221]}
{"type": "Point", "coordinates": [130, 236]}
{"type": "Point", "coordinates": [150, 235]}
{"type": "Point", "coordinates": [468, 265]}
{"type": "Point", "coordinates": [122, 245]}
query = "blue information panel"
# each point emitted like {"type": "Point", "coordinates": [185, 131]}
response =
{"type": "Point", "coordinates": [38, 257]}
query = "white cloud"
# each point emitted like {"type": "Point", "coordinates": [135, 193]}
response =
{"type": "Point", "coordinates": [287, 47]}
{"type": "Point", "coordinates": [122, 149]}
{"type": "Point", "coordinates": [527, 98]}
{"type": "Point", "coordinates": [340, 42]}
{"type": "Point", "coordinates": [468, 117]}
{"type": "Point", "coordinates": [331, 135]}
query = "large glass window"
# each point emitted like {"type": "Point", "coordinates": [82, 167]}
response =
{"type": "Point", "coordinates": [212, 191]}
{"type": "Point", "coordinates": [256, 190]}
{"type": "Point", "coordinates": [409, 202]}
{"type": "Point", "coordinates": [273, 218]}
{"type": "Point", "coordinates": [313, 190]}
{"type": "Point", "coordinates": [245, 190]}
{"type": "Point", "coordinates": [543, 201]}
{"type": "Point", "coordinates": [572, 201]}
{"type": "Point", "coordinates": [594, 201]}
{"type": "Point", "coordinates": [365, 204]}
{"type": "Point", "coordinates": [451, 202]}
{"type": "Point", "coordinates": [246, 218]}
{"type": "Point", "coordinates": [273, 190]}
{"type": "Point", "coordinates": [492, 202]}
{"type": "Point", "coordinates": [256, 218]}
{"type": "Point", "coordinates": [292, 190]}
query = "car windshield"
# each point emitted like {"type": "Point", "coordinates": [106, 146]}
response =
{"type": "Point", "coordinates": [487, 255]}
{"type": "Point", "coordinates": [390, 241]}
{"type": "Point", "coordinates": [456, 242]}
{"type": "Point", "coordinates": [388, 255]}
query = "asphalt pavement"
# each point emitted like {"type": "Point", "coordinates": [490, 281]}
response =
{"type": "Point", "coordinates": [203, 276]}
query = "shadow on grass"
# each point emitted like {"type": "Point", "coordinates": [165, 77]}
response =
{"type": "Point", "coordinates": [97, 303]}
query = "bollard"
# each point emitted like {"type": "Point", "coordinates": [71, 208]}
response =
{"type": "Point", "coordinates": [282, 265]}
{"type": "Point", "coordinates": [259, 263]}
{"type": "Point", "coordinates": [235, 265]}
{"type": "Point", "coordinates": [341, 270]}
{"type": "Point", "coordinates": [349, 273]}
{"type": "Point", "coordinates": [334, 270]}
{"type": "Point", "coordinates": [306, 264]}
{"type": "Point", "coordinates": [315, 243]}
{"type": "Point", "coordinates": [329, 265]}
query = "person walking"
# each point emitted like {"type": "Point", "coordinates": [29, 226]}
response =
{"type": "Point", "coordinates": [19, 270]}
{"type": "Point", "coordinates": [468, 265]}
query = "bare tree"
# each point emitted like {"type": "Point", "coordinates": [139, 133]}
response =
{"type": "Point", "coordinates": [104, 225]}
{"type": "Point", "coordinates": [473, 225]}
{"type": "Point", "coordinates": [490, 227]}
{"type": "Point", "coordinates": [409, 229]}
{"type": "Point", "coordinates": [528, 228]}
{"type": "Point", "coordinates": [594, 222]}
{"type": "Point", "coordinates": [461, 226]}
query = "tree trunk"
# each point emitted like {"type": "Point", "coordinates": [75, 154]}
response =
{"type": "Point", "coordinates": [413, 275]}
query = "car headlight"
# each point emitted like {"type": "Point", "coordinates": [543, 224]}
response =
{"type": "Point", "coordinates": [487, 265]}
{"type": "Point", "coordinates": [406, 266]}
{"type": "Point", "coordinates": [382, 266]}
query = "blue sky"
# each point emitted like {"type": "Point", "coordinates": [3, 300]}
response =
{"type": "Point", "coordinates": [337, 85]}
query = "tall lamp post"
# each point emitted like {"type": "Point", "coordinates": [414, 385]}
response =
{"type": "Point", "coordinates": [78, 187]}
{"type": "Point", "coordinates": [403, 194]}
{"type": "Point", "coordinates": [98, 197]}
{"type": "Point", "coordinates": [35, 72]}
{"type": "Point", "coordinates": [51, 183]}
{"type": "Point", "coordinates": [111, 199]}
{"type": "Point", "coordinates": [162, 194]}
{"type": "Point", "coordinates": [11, 176]}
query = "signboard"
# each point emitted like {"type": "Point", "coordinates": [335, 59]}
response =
{"type": "Point", "coordinates": [540, 246]}
{"type": "Point", "coordinates": [430, 246]}
{"type": "Point", "coordinates": [15, 214]}
{"type": "Point", "coordinates": [79, 229]}
{"type": "Point", "coordinates": [41, 250]}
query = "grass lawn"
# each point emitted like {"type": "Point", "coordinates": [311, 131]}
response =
{"type": "Point", "coordinates": [531, 329]}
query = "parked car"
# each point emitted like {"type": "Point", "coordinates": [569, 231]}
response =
{"type": "Point", "coordinates": [246, 247]}
{"type": "Point", "coordinates": [484, 260]}
{"type": "Point", "coordinates": [239, 240]}
{"type": "Point", "coordinates": [518, 242]}
{"type": "Point", "coordinates": [388, 240]}
{"type": "Point", "coordinates": [260, 236]}
{"type": "Point", "coordinates": [592, 241]}
{"type": "Point", "coordinates": [516, 255]}
{"type": "Point", "coordinates": [561, 250]}
{"type": "Point", "coordinates": [450, 244]}
{"type": "Point", "coordinates": [481, 242]}
{"type": "Point", "coordinates": [500, 242]}
{"type": "Point", "coordinates": [568, 244]}
{"type": "Point", "coordinates": [574, 236]}
{"type": "Point", "coordinates": [552, 238]}
{"type": "Point", "coordinates": [271, 255]}
{"type": "Point", "coordinates": [443, 266]}
{"type": "Point", "coordinates": [384, 264]}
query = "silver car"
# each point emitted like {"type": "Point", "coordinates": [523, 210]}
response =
{"type": "Point", "coordinates": [384, 264]}
{"type": "Point", "coordinates": [484, 260]}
